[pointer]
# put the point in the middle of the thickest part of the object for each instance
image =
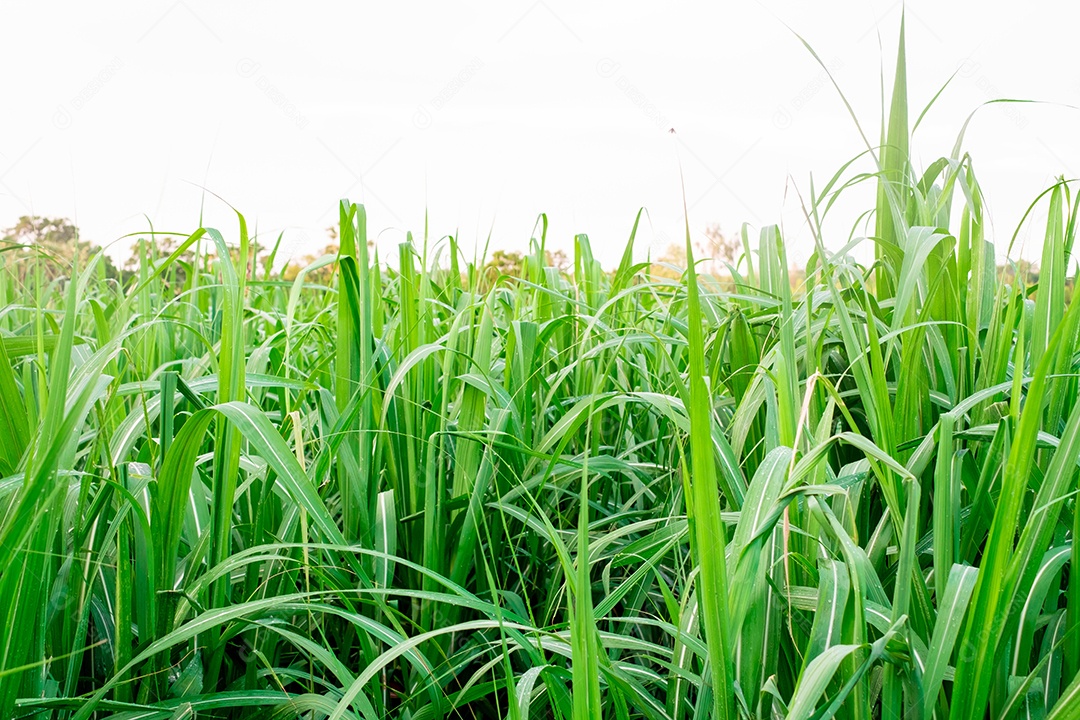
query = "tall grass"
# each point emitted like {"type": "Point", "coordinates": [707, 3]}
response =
{"type": "Point", "coordinates": [423, 491]}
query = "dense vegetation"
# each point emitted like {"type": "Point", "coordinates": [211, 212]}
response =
{"type": "Point", "coordinates": [419, 490]}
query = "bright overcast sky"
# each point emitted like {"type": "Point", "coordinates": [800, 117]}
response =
{"type": "Point", "coordinates": [487, 114]}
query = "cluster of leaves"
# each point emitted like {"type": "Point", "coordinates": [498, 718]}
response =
{"type": "Point", "coordinates": [54, 238]}
{"type": "Point", "coordinates": [430, 489]}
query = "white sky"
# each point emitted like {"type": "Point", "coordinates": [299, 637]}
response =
{"type": "Point", "coordinates": [486, 114]}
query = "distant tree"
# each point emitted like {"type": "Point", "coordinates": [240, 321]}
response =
{"type": "Point", "coordinates": [1021, 271]}
{"type": "Point", "coordinates": [713, 253]}
{"type": "Point", "coordinates": [325, 274]}
{"type": "Point", "coordinates": [156, 249]}
{"type": "Point", "coordinates": [58, 239]}
{"type": "Point", "coordinates": [557, 259]}
{"type": "Point", "coordinates": [671, 263]}
{"type": "Point", "coordinates": [254, 267]}
{"type": "Point", "coordinates": [503, 262]}
{"type": "Point", "coordinates": [153, 249]}
{"type": "Point", "coordinates": [719, 249]}
{"type": "Point", "coordinates": [321, 276]}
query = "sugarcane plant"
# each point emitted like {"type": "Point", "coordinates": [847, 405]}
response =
{"type": "Point", "coordinates": [427, 489]}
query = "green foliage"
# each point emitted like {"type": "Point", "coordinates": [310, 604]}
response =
{"type": "Point", "coordinates": [438, 488]}
{"type": "Point", "coordinates": [54, 239]}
